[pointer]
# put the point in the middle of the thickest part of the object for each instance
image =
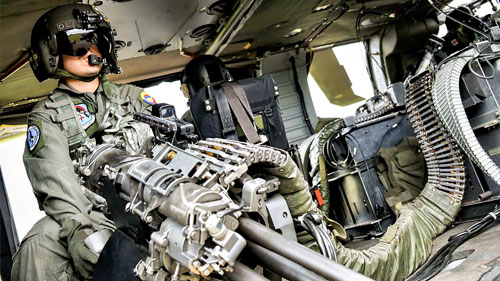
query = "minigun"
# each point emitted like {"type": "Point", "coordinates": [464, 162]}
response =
{"type": "Point", "coordinates": [199, 208]}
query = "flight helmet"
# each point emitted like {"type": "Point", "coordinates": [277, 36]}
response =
{"type": "Point", "coordinates": [202, 71]}
{"type": "Point", "coordinates": [71, 30]}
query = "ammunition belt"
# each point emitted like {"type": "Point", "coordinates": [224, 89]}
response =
{"type": "Point", "coordinates": [375, 114]}
{"type": "Point", "coordinates": [444, 161]}
{"type": "Point", "coordinates": [240, 152]}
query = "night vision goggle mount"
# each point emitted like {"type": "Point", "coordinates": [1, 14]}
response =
{"type": "Point", "coordinates": [88, 19]}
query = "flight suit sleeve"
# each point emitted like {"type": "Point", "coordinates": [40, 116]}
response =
{"type": "Point", "coordinates": [141, 100]}
{"type": "Point", "coordinates": [135, 134]}
{"type": "Point", "coordinates": [50, 170]}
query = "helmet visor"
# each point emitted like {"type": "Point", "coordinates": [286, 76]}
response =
{"type": "Point", "coordinates": [77, 42]}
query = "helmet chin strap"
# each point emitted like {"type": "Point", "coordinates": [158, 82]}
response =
{"type": "Point", "coordinates": [93, 60]}
{"type": "Point", "coordinates": [96, 60]}
{"type": "Point", "coordinates": [67, 74]}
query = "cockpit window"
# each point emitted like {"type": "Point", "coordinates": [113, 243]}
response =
{"type": "Point", "coordinates": [352, 57]}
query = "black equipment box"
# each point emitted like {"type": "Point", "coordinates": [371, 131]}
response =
{"type": "Point", "coordinates": [262, 95]}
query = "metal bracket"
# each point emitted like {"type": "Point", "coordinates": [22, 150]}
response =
{"type": "Point", "coordinates": [281, 217]}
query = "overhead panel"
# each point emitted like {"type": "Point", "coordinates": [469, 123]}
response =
{"type": "Point", "coordinates": [156, 31]}
{"type": "Point", "coordinates": [150, 27]}
{"type": "Point", "coordinates": [332, 78]}
{"type": "Point", "coordinates": [280, 23]}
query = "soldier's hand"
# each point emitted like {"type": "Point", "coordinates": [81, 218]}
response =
{"type": "Point", "coordinates": [83, 259]}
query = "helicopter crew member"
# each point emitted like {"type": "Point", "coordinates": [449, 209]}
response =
{"type": "Point", "coordinates": [74, 43]}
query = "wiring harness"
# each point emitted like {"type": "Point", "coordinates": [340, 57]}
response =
{"type": "Point", "coordinates": [313, 224]}
{"type": "Point", "coordinates": [443, 257]}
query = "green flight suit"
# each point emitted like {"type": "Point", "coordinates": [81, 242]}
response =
{"type": "Point", "coordinates": [64, 120]}
{"type": "Point", "coordinates": [402, 171]}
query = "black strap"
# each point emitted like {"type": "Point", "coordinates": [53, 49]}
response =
{"type": "Point", "coordinates": [127, 222]}
{"type": "Point", "coordinates": [241, 109]}
{"type": "Point", "coordinates": [228, 128]}
{"type": "Point", "coordinates": [243, 98]}
{"type": "Point", "coordinates": [111, 265]}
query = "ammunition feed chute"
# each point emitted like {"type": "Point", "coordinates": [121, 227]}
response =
{"type": "Point", "coordinates": [449, 107]}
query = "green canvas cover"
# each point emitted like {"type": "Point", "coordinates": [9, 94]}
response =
{"type": "Point", "coordinates": [408, 242]}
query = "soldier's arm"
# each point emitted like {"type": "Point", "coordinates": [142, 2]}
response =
{"type": "Point", "coordinates": [141, 101]}
{"type": "Point", "coordinates": [50, 170]}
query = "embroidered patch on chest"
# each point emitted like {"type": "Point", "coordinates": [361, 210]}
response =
{"type": "Point", "coordinates": [86, 118]}
{"type": "Point", "coordinates": [148, 98]}
{"type": "Point", "coordinates": [32, 137]}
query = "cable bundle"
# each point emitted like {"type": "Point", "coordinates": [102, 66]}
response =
{"type": "Point", "coordinates": [337, 154]}
{"type": "Point", "coordinates": [315, 227]}
{"type": "Point", "coordinates": [443, 257]}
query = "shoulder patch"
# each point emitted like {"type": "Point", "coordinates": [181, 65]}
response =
{"type": "Point", "coordinates": [35, 139]}
{"type": "Point", "coordinates": [32, 137]}
{"type": "Point", "coordinates": [148, 99]}
{"type": "Point", "coordinates": [86, 118]}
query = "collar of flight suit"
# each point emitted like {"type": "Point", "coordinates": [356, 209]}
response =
{"type": "Point", "coordinates": [104, 87]}
{"type": "Point", "coordinates": [62, 85]}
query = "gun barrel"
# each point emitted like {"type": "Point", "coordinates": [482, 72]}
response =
{"type": "Point", "coordinates": [295, 252]}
